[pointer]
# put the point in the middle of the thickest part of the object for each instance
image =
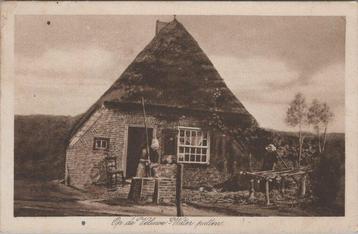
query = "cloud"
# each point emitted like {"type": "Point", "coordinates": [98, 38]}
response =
{"type": "Point", "coordinates": [258, 83]}
{"type": "Point", "coordinates": [56, 98]}
{"type": "Point", "coordinates": [251, 78]}
{"type": "Point", "coordinates": [65, 81]}
{"type": "Point", "coordinates": [305, 44]}
{"type": "Point", "coordinates": [89, 62]}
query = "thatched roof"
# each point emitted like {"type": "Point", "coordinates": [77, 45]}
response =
{"type": "Point", "coordinates": [173, 71]}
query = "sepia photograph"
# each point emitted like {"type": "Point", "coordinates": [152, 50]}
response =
{"type": "Point", "coordinates": [246, 113]}
{"type": "Point", "coordinates": [178, 117]}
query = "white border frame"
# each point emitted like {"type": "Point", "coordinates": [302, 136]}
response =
{"type": "Point", "coordinates": [9, 10]}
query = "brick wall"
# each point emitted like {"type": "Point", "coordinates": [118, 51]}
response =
{"type": "Point", "coordinates": [165, 190]}
{"type": "Point", "coordinates": [85, 166]}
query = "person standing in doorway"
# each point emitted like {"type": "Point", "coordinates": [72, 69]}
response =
{"type": "Point", "coordinates": [154, 156]}
{"type": "Point", "coordinates": [143, 163]}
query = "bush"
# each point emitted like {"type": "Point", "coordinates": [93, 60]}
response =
{"type": "Point", "coordinates": [328, 176]}
{"type": "Point", "coordinates": [40, 146]}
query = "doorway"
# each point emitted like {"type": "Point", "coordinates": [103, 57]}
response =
{"type": "Point", "coordinates": [136, 139]}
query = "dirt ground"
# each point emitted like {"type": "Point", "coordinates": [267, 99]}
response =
{"type": "Point", "coordinates": [51, 198]}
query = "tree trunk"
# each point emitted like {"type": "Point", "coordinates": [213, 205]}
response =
{"type": "Point", "coordinates": [324, 137]}
{"type": "Point", "coordinates": [250, 162]}
{"type": "Point", "coordinates": [319, 141]}
{"type": "Point", "coordinates": [299, 145]}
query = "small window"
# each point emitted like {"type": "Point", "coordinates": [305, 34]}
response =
{"type": "Point", "coordinates": [101, 143]}
{"type": "Point", "coordinates": [193, 146]}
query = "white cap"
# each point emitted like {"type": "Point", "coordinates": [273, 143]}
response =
{"type": "Point", "coordinates": [155, 144]}
{"type": "Point", "coordinates": [270, 147]}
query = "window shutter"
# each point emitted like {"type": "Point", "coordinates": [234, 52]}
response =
{"type": "Point", "coordinates": [215, 147]}
{"type": "Point", "coordinates": [169, 141]}
{"type": "Point", "coordinates": [216, 151]}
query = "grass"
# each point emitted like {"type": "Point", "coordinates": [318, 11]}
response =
{"type": "Point", "coordinates": [42, 190]}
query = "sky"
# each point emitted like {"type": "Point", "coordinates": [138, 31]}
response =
{"type": "Point", "coordinates": [63, 64]}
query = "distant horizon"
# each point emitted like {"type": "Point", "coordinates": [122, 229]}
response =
{"type": "Point", "coordinates": [63, 64]}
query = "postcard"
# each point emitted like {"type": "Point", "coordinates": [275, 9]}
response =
{"type": "Point", "coordinates": [174, 117]}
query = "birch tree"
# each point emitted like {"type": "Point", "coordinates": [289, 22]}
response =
{"type": "Point", "coordinates": [296, 116]}
{"type": "Point", "coordinates": [319, 115]}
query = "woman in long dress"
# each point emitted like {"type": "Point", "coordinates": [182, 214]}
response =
{"type": "Point", "coordinates": [143, 163]}
{"type": "Point", "coordinates": [154, 157]}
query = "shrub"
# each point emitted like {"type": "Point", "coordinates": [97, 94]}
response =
{"type": "Point", "coordinates": [40, 146]}
{"type": "Point", "coordinates": [328, 176]}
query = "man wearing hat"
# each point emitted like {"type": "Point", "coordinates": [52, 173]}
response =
{"type": "Point", "coordinates": [270, 158]}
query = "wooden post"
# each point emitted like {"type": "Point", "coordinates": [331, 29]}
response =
{"type": "Point", "coordinates": [179, 185]}
{"type": "Point", "coordinates": [303, 186]}
{"type": "Point", "coordinates": [300, 146]}
{"type": "Point", "coordinates": [282, 186]}
{"type": "Point", "coordinates": [148, 171]}
{"type": "Point", "coordinates": [267, 187]}
{"type": "Point", "coordinates": [252, 190]}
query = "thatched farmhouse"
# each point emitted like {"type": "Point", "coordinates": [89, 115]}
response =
{"type": "Point", "coordinates": [185, 102]}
